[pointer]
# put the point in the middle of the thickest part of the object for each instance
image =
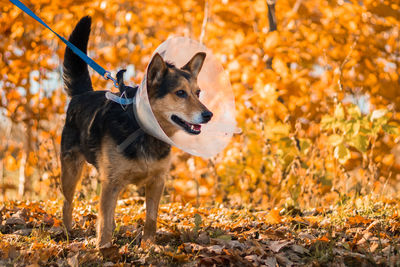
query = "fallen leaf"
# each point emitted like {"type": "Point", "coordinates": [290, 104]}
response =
{"type": "Point", "coordinates": [270, 262]}
{"type": "Point", "coordinates": [276, 246]}
{"type": "Point", "coordinates": [15, 221]}
{"type": "Point", "coordinates": [357, 220]}
{"type": "Point", "coordinates": [215, 249]}
{"type": "Point", "coordinates": [73, 260]}
{"type": "Point", "coordinates": [323, 239]}
{"type": "Point", "coordinates": [203, 238]}
{"type": "Point", "coordinates": [24, 232]}
{"type": "Point", "coordinates": [110, 253]}
{"type": "Point", "coordinates": [273, 217]}
{"type": "Point", "coordinates": [299, 249]}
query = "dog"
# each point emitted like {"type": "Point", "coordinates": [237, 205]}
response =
{"type": "Point", "coordinates": [94, 126]}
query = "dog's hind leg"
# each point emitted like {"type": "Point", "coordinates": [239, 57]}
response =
{"type": "Point", "coordinates": [154, 190]}
{"type": "Point", "coordinates": [71, 169]}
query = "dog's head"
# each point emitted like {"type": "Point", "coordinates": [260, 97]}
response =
{"type": "Point", "coordinates": [174, 95]}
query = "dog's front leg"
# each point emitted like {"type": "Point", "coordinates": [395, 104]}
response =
{"type": "Point", "coordinates": [154, 190]}
{"type": "Point", "coordinates": [108, 200]}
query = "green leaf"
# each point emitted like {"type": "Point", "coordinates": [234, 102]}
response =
{"type": "Point", "coordinates": [346, 127]}
{"type": "Point", "coordinates": [285, 142]}
{"type": "Point", "coordinates": [391, 129]}
{"type": "Point", "coordinates": [377, 125]}
{"type": "Point", "coordinates": [339, 111]}
{"type": "Point", "coordinates": [366, 131]}
{"type": "Point", "coordinates": [304, 145]}
{"type": "Point", "coordinates": [342, 153]}
{"type": "Point", "coordinates": [360, 142]}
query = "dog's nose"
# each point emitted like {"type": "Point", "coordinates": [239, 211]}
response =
{"type": "Point", "coordinates": [207, 115]}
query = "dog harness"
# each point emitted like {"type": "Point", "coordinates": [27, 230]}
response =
{"type": "Point", "coordinates": [124, 101]}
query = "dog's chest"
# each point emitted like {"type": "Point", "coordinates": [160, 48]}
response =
{"type": "Point", "coordinates": [114, 165]}
{"type": "Point", "coordinates": [141, 171]}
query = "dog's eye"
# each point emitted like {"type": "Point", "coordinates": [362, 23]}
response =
{"type": "Point", "coordinates": [198, 93]}
{"type": "Point", "coordinates": [181, 93]}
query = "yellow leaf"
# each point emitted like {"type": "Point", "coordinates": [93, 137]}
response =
{"type": "Point", "coordinates": [271, 41]}
{"type": "Point", "coordinates": [339, 111]}
{"type": "Point", "coordinates": [342, 153]}
{"type": "Point", "coordinates": [280, 67]}
{"type": "Point", "coordinates": [335, 139]}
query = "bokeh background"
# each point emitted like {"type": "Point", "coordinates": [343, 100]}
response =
{"type": "Point", "coordinates": [316, 84]}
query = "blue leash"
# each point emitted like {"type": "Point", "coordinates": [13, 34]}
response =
{"type": "Point", "coordinates": [100, 70]}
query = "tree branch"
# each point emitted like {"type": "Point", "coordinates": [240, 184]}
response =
{"type": "Point", "coordinates": [272, 25]}
{"type": "Point", "coordinates": [271, 15]}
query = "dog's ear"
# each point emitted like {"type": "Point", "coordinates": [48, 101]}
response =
{"type": "Point", "coordinates": [194, 65]}
{"type": "Point", "coordinates": [156, 71]}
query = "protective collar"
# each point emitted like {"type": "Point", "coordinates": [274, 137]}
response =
{"type": "Point", "coordinates": [216, 95]}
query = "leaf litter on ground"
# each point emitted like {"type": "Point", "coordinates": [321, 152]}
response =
{"type": "Point", "coordinates": [32, 234]}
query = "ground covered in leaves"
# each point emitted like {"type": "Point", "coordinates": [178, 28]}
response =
{"type": "Point", "coordinates": [363, 233]}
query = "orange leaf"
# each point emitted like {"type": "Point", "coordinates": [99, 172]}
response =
{"type": "Point", "coordinates": [273, 217]}
{"type": "Point", "coordinates": [323, 239]}
{"type": "Point", "coordinates": [358, 220]}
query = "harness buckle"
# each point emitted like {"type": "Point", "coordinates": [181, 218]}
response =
{"type": "Point", "coordinates": [107, 76]}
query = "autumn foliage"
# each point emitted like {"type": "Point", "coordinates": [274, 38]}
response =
{"type": "Point", "coordinates": [317, 100]}
{"type": "Point", "coordinates": [313, 178]}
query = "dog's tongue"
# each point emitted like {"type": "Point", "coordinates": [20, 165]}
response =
{"type": "Point", "coordinates": [194, 127]}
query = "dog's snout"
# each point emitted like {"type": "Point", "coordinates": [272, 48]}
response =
{"type": "Point", "coordinates": [207, 115]}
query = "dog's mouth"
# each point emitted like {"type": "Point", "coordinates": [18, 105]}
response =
{"type": "Point", "coordinates": [188, 127]}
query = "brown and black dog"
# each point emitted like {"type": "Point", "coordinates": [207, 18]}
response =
{"type": "Point", "coordinates": [94, 127]}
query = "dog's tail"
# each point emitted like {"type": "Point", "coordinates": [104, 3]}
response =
{"type": "Point", "coordinates": [75, 70]}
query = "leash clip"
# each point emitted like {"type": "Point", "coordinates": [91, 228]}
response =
{"type": "Point", "coordinates": [107, 76]}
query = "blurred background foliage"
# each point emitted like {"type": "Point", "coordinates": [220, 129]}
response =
{"type": "Point", "coordinates": [316, 83]}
